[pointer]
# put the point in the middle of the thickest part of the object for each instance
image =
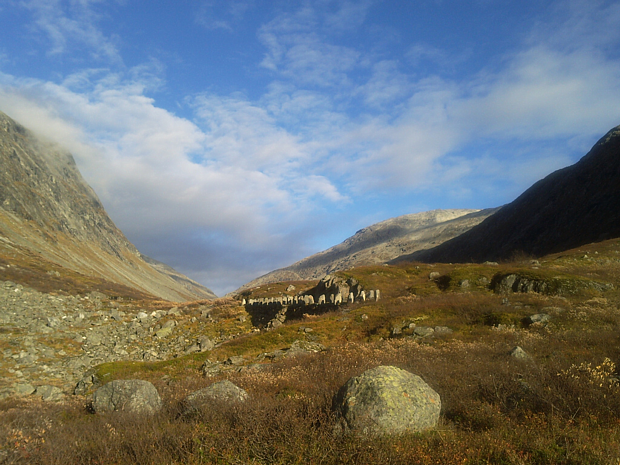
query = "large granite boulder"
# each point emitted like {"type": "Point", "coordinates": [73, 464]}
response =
{"type": "Point", "coordinates": [386, 400]}
{"type": "Point", "coordinates": [222, 391]}
{"type": "Point", "coordinates": [127, 395]}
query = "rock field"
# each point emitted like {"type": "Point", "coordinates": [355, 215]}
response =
{"type": "Point", "coordinates": [52, 340]}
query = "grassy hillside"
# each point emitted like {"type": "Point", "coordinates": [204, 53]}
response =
{"type": "Point", "coordinates": [561, 405]}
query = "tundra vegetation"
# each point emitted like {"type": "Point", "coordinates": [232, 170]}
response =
{"type": "Point", "coordinates": [556, 401]}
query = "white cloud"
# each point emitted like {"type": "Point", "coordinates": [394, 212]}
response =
{"type": "Point", "coordinates": [543, 93]}
{"type": "Point", "coordinates": [229, 172]}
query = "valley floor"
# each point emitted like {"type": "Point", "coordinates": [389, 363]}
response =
{"type": "Point", "coordinates": [559, 403]}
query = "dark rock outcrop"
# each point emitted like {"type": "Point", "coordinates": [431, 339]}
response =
{"type": "Point", "coordinates": [571, 207]}
{"type": "Point", "coordinates": [508, 282]}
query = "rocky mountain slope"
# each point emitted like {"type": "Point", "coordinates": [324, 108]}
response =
{"type": "Point", "coordinates": [573, 206]}
{"type": "Point", "coordinates": [380, 243]}
{"type": "Point", "coordinates": [48, 211]}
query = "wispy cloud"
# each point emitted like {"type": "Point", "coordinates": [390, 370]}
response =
{"type": "Point", "coordinates": [222, 14]}
{"type": "Point", "coordinates": [387, 85]}
{"type": "Point", "coordinates": [348, 15]}
{"type": "Point", "coordinates": [72, 25]}
{"type": "Point", "coordinates": [296, 51]}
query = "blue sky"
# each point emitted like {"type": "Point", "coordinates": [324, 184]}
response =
{"type": "Point", "coordinates": [231, 138]}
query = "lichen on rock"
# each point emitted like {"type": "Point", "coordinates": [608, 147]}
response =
{"type": "Point", "coordinates": [386, 400]}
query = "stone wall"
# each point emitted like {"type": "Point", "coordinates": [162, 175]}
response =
{"type": "Point", "coordinates": [329, 293]}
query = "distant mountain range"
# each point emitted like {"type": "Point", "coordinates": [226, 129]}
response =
{"type": "Point", "coordinates": [380, 243]}
{"type": "Point", "coordinates": [571, 207]}
{"type": "Point", "coordinates": [47, 210]}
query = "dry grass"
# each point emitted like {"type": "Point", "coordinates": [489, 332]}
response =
{"type": "Point", "coordinates": [559, 406]}
{"type": "Point", "coordinates": [495, 410]}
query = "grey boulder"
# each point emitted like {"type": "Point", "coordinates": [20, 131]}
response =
{"type": "Point", "coordinates": [221, 391]}
{"type": "Point", "coordinates": [49, 393]}
{"type": "Point", "coordinates": [127, 395]}
{"type": "Point", "coordinates": [386, 400]}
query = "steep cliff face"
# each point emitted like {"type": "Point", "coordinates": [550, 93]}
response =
{"type": "Point", "coordinates": [573, 206]}
{"type": "Point", "coordinates": [380, 243]}
{"type": "Point", "coordinates": [47, 208]}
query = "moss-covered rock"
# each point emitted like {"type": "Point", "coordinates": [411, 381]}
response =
{"type": "Point", "coordinates": [504, 283]}
{"type": "Point", "coordinates": [387, 400]}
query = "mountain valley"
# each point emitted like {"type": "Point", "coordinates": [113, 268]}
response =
{"type": "Point", "coordinates": [511, 319]}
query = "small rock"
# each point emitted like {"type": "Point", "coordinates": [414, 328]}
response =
{"type": "Point", "coordinates": [442, 330]}
{"type": "Point", "coordinates": [206, 344]}
{"type": "Point", "coordinates": [538, 318]}
{"type": "Point", "coordinates": [53, 322]}
{"type": "Point", "coordinates": [423, 331]}
{"type": "Point", "coordinates": [210, 368]}
{"type": "Point", "coordinates": [519, 353]}
{"type": "Point", "coordinates": [23, 389]}
{"type": "Point", "coordinates": [193, 348]}
{"type": "Point", "coordinates": [163, 332]}
{"type": "Point", "coordinates": [235, 360]}
{"type": "Point", "coordinates": [169, 324]}
{"type": "Point", "coordinates": [49, 393]}
{"type": "Point", "coordinates": [290, 288]}
{"type": "Point", "coordinates": [174, 311]}
{"type": "Point", "coordinates": [220, 391]}
{"type": "Point", "coordinates": [434, 275]}
{"type": "Point", "coordinates": [274, 323]}
{"type": "Point", "coordinates": [298, 347]}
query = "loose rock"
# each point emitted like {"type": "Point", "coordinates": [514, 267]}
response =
{"type": "Point", "coordinates": [49, 393]}
{"type": "Point", "coordinates": [519, 353]}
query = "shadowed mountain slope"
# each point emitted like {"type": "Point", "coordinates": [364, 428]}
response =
{"type": "Point", "coordinates": [48, 210]}
{"type": "Point", "coordinates": [573, 206]}
{"type": "Point", "coordinates": [380, 243]}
